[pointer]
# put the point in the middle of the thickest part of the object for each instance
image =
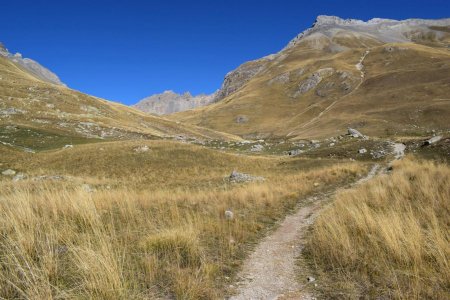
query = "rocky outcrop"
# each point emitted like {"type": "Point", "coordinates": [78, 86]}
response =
{"type": "Point", "coordinates": [171, 102]}
{"type": "Point", "coordinates": [312, 81]}
{"type": "Point", "coordinates": [432, 140]}
{"type": "Point", "coordinates": [237, 78]}
{"type": "Point", "coordinates": [31, 66]}
{"type": "Point", "coordinates": [384, 30]}
{"type": "Point", "coordinates": [355, 133]}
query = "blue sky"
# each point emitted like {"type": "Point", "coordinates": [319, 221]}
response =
{"type": "Point", "coordinates": [126, 50]}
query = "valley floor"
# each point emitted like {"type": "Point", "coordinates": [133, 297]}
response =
{"type": "Point", "coordinates": [164, 219]}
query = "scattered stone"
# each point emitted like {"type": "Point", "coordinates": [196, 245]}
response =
{"type": "Point", "coordinates": [295, 152]}
{"type": "Point", "coordinates": [49, 177]}
{"type": "Point", "coordinates": [241, 119]}
{"type": "Point", "coordinates": [399, 150]}
{"type": "Point", "coordinates": [257, 148]}
{"type": "Point", "coordinates": [9, 172]}
{"type": "Point", "coordinates": [19, 177]}
{"type": "Point", "coordinates": [376, 154]}
{"type": "Point", "coordinates": [62, 249]}
{"type": "Point", "coordinates": [87, 188]}
{"type": "Point", "coordinates": [141, 149]}
{"type": "Point", "coordinates": [332, 144]}
{"type": "Point", "coordinates": [432, 140]}
{"type": "Point", "coordinates": [237, 177]}
{"type": "Point", "coordinates": [229, 215]}
{"type": "Point", "coordinates": [356, 134]}
{"type": "Point", "coordinates": [362, 151]}
{"type": "Point", "coordinates": [316, 184]}
{"type": "Point", "coordinates": [12, 111]}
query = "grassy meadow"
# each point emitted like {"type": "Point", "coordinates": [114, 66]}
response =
{"type": "Point", "coordinates": [151, 225]}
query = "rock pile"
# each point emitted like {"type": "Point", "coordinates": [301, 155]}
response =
{"type": "Point", "coordinates": [236, 177]}
{"type": "Point", "coordinates": [356, 134]}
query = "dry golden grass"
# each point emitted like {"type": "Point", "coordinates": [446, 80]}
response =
{"type": "Point", "coordinates": [53, 104]}
{"type": "Point", "coordinates": [388, 238]}
{"type": "Point", "coordinates": [410, 86]}
{"type": "Point", "coordinates": [60, 242]}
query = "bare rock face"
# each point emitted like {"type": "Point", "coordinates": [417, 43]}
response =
{"type": "Point", "coordinates": [385, 30]}
{"type": "Point", "coordinates": [236, 79]}
{"type": "Point", "coordinates": [171, 102]}
{"type": "Point", "coordinates": [32, 66]}
{"type": "Point", "coordinates": [313, 80]}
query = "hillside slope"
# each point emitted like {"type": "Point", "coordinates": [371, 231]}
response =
{"type": "Point", "coordinates": [31, 66]}
{"type": "Point", "coordinates": [37, 114]}
{"type": "Point", "coordinates": [385, 77]}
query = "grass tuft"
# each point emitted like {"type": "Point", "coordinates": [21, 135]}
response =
{"type": "Point", "coordinates": [389, 237]}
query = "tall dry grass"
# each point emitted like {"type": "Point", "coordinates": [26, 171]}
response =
{"type": "Point", "coordinates": [60, 242]}
{"type": "Point", "coordinates": [388, 238]}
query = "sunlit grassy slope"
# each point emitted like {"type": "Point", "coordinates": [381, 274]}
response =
{"type": "Point", "coordinates": [404, 92]}
{"type": "Point", "coordinates": [28, 104]}
{"type": "Point", "coordinates": [388, 238]}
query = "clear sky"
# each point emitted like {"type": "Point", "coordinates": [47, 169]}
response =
{"type": "Point", "coordinates": [126, 50]}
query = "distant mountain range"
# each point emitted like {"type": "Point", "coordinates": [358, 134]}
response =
{"type": "Point", "coordinates": [170, 102]}
{"type": "Point", "coordinates": [37, 112]}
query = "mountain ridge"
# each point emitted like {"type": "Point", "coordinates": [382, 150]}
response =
{"type": "Point", "coordinates": [169, 102]}
{"type": "Point", "coordinates": [386, 30]}
{"type": "Point", "coordinates": [323, 75]}
{"type": "Point", "coordinates": [32, 66]}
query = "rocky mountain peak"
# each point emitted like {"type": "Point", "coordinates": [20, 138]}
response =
{"type": "Point", "coordinates": [383, 30]}
{"type": "Point", "coordinates": [170, 102]}
{"type": "Point", "coordinates": [333, 20]}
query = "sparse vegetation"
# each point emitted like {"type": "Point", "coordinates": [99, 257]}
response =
{"type": "Point", "coordinates": [141, 236]}
{"type": "Point", "coordinates": [101, 201]}
{"type": "Point", "coordinates": [387, 238]}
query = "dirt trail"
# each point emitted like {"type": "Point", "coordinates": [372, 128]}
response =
{"type": "Point", "coordinates": [271, 271]}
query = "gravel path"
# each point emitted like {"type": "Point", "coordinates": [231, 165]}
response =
{"type": "Point", "coordinates": [271, 271]}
